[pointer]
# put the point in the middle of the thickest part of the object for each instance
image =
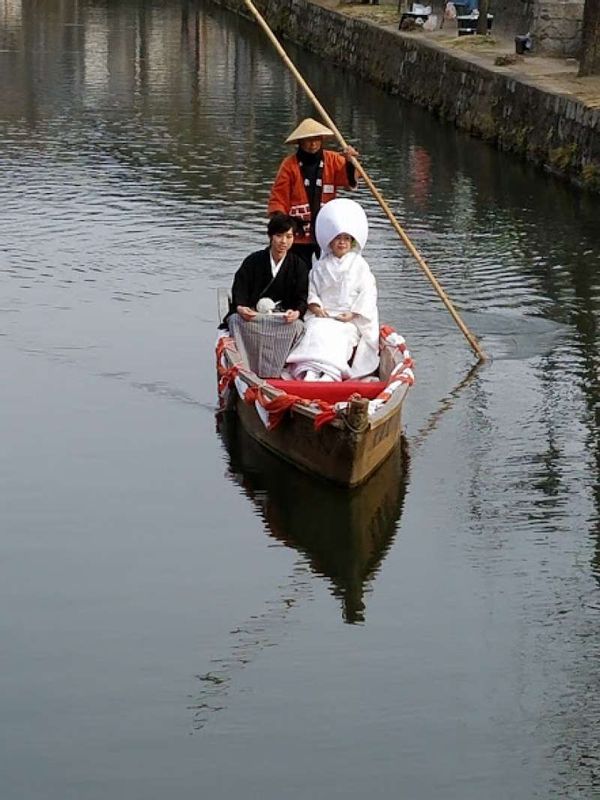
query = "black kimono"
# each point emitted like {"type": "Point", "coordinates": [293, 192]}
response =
{"type": "Point", "coordinates": [265, 341]}
{"type": "Point", "coordinates": [254, 280]}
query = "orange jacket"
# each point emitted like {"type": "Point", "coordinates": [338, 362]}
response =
{"type": "Point", "coordinates": [289, 195]}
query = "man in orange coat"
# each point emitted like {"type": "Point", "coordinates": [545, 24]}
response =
{"type": "Point", "coordinates": [307, 180]}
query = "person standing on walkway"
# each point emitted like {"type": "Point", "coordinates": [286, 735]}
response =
{"type": "Point", "coordinates": [307, 180]}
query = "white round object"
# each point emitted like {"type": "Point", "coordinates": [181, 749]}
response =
{"type": "Point", "coordinates": [265, 305]}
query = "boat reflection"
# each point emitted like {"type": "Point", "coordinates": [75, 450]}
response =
{"type": "Point", "coordinates": [344, 534]}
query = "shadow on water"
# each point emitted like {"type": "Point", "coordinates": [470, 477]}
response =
{"type": "Point", "coordinates": [445, 404]}
{"type": "Point", "coordinates": [345, 542]}
{"type": "Point", "coordinates": [348, 535]}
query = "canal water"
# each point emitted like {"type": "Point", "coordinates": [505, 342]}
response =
{"type": "Point", "coordinates": [181, 615]}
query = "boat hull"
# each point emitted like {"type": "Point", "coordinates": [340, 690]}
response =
{"type": "Point", "coordinates": [347, 449]}
{"type": "Point", "coordinates": [333, 452]}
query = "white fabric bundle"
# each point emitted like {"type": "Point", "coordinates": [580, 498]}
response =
{"type": "Point", "coordinates": [266, 305]}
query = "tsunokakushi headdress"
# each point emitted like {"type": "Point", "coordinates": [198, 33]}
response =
{"type": "Point", "coordinates": [341, 216]}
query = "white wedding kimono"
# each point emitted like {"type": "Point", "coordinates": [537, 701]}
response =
{"type": "Point", "coordinates": [339, 285]}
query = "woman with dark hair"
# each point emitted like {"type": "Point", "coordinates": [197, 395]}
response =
{"type": "Point", "coordinates": [268, 301]}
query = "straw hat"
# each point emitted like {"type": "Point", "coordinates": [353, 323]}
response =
{"type": "Point", "coordinates": [308, 127]}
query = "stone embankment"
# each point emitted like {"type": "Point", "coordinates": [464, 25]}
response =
{"type": "Point", "coordinates": [532, 106]}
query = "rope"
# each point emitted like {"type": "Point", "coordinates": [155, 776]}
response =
{"type": "Point", "coordinates": [279, 405]}
{"type": "Point", "coordinates": [275, 407]}
{"type": "Point", "coordinates": [227, 377]}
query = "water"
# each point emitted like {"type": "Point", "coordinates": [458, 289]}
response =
{"type": "Point", "coordinates": [182, 615]}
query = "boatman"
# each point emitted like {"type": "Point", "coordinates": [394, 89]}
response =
{"type": "Point", "coordinates": [307, 180]}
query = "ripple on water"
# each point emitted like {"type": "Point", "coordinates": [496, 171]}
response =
{"type": "Point", "coordinates": [133, 185]}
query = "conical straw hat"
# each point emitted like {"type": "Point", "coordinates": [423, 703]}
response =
{"type": "Point", "coordinates": [308, 127]}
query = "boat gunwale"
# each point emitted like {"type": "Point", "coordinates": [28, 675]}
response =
{"type": "Point", "coordinates": [377, 418]}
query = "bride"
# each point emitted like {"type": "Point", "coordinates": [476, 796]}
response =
{"type": "Point", "coordinates": [341, 336]}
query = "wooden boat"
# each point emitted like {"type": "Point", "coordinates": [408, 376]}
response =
{"type": "Point", "coordinates": [347, 541]}
{"type": "Point", "coordinates": [341, 431]}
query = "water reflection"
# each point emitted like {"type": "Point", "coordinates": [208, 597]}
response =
{"type": "Point", "coordinates": [340, 535]}
{"type": "Point", "coordinates": [344, 535]}
{"type": "Point", "coordinates": [138, 142]}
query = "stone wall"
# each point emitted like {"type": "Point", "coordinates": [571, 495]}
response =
{"type": "Point", "coordinates": [556, 26]}
{"type": "Point", "coordinates": [512, 17]}
{"type": "Point", "coordinates": [551, 130]}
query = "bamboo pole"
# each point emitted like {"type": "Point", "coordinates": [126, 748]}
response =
{"type": "Point", "coordinates": [373, 189]}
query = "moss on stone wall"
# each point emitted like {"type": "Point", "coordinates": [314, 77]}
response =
{"type": "Point", "coordinates": [590, 176]}
{"type": "Point", "coordinates": [564, 158]}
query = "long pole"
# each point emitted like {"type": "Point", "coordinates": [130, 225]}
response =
{"type": "Point", "coordinates": [373, 189]}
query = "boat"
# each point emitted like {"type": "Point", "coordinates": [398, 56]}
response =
{"type": "Point", "coordinates": [347, 540]}
{"type": "Point", "coordinates": [341, 431]}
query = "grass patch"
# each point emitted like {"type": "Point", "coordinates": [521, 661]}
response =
{"type": "Point", "coordinates": [382, 14]}
{"type": "Point", "coordinates": [590, 175]}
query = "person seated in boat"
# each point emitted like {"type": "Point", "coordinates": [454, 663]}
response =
{"type": "Point", "coordinates": [268, 301]}
{"type": "Point", "coordinates": [308, 179]}
{"type": "Point", "coordinates": [341, 332]}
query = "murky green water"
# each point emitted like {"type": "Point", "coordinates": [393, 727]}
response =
{"type": "Point", "coordinates": [185, 619]}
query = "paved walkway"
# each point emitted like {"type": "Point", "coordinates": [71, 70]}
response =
{"type": "Point", "coordinates": [557, 75]}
